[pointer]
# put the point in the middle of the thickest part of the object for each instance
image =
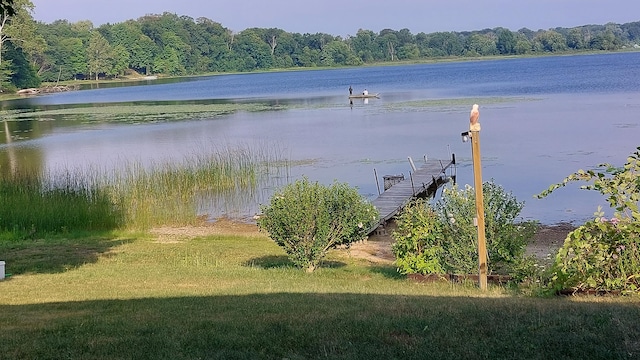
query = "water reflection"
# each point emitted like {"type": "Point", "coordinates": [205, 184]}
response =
{"type": "Point", "coordinates": [243, 203]}
{"type": "Point", "coordinates": [16, 160]}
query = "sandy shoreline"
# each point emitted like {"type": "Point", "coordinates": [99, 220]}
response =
{"type": "Point", "coordinates": [377, 248]}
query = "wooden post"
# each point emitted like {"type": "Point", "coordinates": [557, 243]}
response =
{"type": "Point", "coordinates": [477, 180]}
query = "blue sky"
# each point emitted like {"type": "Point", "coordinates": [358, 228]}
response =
{"type": "Point", "coordinates": [345, 17]}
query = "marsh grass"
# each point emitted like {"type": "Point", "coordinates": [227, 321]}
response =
{"type": "Point", "coordinates": [133, 196]}
{"type": "Point", "coordinates": [137, 297]}
{"type": "Point", "coordinates": [27, 206]}
{"type": "Point", "coordinates": [167, 194]}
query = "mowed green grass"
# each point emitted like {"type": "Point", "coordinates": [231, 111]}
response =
{"type": "Point", "coordinates": [146, 296]}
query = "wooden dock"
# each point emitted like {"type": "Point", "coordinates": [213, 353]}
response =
{"type": "Point", "coordinates": [423, 182]}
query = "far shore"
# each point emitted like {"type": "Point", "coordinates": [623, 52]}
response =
{"type": "Point", "coordinates": [135, 77]}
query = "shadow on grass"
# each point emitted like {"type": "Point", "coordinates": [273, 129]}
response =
{"type": "Point", "coordinates": [54, 255]}
{"type": "Point", "coordinates": [270, 262]}
{"type": "Point", "coordinates": [313, 326]}
{"type": "Point", "coordinates": [388, 271]}
{"type": "Point", "coordinates": [282, 261]}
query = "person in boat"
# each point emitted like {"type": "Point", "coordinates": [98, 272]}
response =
{"type": "Point", "coordinates": [350, 90]}
{"type": "Point", "coordinates": [365, 92]}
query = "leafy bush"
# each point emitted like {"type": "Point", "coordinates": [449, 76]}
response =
{"type": "Point", "coordinates": [600, 255]}
{"type": "Point", "coordinates": [444, 238]}
{"type": "Point", "coordinates": [419, 242]}
{"type": "Point", "coordinates": [308, 219]}
{"type": "Point", "coordinates": [603, 253]}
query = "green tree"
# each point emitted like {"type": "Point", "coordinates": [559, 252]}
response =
{"type": "Point", "coordinates": [523, 44]}
{"type": "Point", "coordinates": [16, 22]}
{"type": "Point", "coordinates": [309, 57]}
{"type": "Point", "coordinates": [336, 53]}
{"type": "Point", "coordinates": [75, 56]}
{"type": "Point", "coordinates": [409, 52]}
{"type": "Point", "coordinates": [365, 47]}
{"type": "Point", "coordinates": [388, 40]}
{"type": "Point", "coordinates": [219, 41]}
{"type": "Point", "coordinates": [287, 50]}
{"type": "Point", "coordinates": [7, 7]}
{"type": "Point", "coordinates": [256, 53]}
{"type": "Point", "coordinates": [481, 45]}
{"type": "Point", "coordinates": [171, 37]}
{"type": "Point", "coordinates": [6, 73]}
{"type": "Point", "coordinates": [140, 48]}
{"type": "Point", "coordinates": [405, 37]}
{"type": "Point", "coordinates": [443, 44]}
{"type": "Point", "coordinates": [121, 61]}
{"type": "Point", "coordinates": [45, 62]}
{"type": "Point", "coordinates": [100, 55]}
{"type": "Point", "coordinates": [550, 41]}
{"type": "Point", "coordinates": [168, 62]}
{"type": "Point", "coordinates": [632, 31]}
{"type": "Point", "coordinates": [605, 41]}
{"type": "Point", "coordinates": [22, 73]}
{"type": "Point", "coordinates": [171, 58]}
{"type": "Point", "coordinates": [506, 42]}
{"type": "Point", "coordinates": [196, 60]}
{"type": "Point", "coordinates": [65, 53]}
{"type": "Point", "coordinates": [575, 39]}
{"type": "Point", "coordinates": [308, 219]}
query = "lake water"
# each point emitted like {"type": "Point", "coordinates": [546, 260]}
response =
{"type": "Point", "coordinates": [542, 119]}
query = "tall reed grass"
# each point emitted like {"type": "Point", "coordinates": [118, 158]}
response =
{"type": "Point", "coordinates": [134, 196]}
{"type": "Point", "coordinates": [28, 206]}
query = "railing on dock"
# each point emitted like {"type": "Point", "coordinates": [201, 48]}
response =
{"type": "Point", "coordinates": [422, 182]}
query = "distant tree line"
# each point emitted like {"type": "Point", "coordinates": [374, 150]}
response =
{"type": "Point", "coordinates": [168, 44]}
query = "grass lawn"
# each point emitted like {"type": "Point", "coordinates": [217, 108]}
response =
{"type": "Point", "coordinates": [235, 296]}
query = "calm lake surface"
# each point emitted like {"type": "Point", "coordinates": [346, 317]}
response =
{"type": "Point", "coordinates": [542, 119]}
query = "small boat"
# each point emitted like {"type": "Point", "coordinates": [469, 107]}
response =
{"type": "Point", "coordinates": [362, 96]}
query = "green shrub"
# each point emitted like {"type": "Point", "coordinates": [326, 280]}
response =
{"type": "Point", "coordinates": [603, 253]}
{"type": "Point", "coordinates": [419, 241]}
{"type": "Point", "coordinates": [307, 219]}
{"type": "Point", "coordinates": [444, 237]}
{"type": "Point", "coordinates": [600, 255]}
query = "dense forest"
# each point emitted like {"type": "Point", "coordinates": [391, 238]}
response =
{"type": "Point", "coordinates": [32, 52]}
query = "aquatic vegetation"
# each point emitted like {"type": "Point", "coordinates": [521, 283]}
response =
{"type": "Point", "coordinates": [134, 196]}
{"type": "Point", "coordinates": [140, 113]}
{"type": "Point", "coordinates": [168, 194]}
{"type": "Point", "coordinates": [451, 104]}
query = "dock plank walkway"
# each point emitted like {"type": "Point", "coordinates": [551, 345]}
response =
{"type": "Point", "coordinates": [422, 182]}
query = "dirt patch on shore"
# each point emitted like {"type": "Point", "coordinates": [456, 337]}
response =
{"type": "Point", "coordinates": [221, 226]}
{"type": "Point", "coordinates": [549, 239]}
{"type": "Point", "coordinates": [544, 245]}
{"type": "Point", "coordinates": [377, 248]}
